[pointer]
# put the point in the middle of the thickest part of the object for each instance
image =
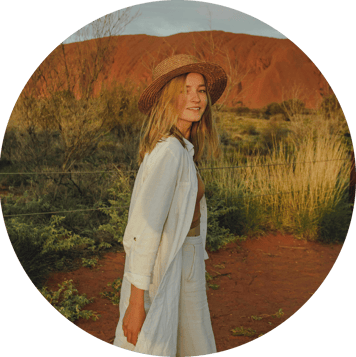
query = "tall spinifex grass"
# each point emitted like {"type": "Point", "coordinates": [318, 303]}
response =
{"type": "Point", "coordinates": [300, 187]}
{"type": "Point", "coordinates": [299, 195]}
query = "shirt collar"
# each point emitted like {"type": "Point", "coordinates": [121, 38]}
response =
{"type": "Point", "coordinates": [190, 146]}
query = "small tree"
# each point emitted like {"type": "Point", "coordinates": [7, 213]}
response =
{"type": "Point", "coordinates": [62, 94]}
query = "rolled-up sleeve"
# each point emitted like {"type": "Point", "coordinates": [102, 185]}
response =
{"type": "Point", "coordinates": [149, 214]}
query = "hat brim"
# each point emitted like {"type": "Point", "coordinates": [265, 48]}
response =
{"type": "Point", "coordinates": [214, 74]}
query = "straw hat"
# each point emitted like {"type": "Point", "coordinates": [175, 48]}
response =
{"type": "Point", "coordinates": [176, 65]}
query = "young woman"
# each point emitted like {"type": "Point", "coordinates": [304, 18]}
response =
{"type": "Point", "coordinates": [163, 305]}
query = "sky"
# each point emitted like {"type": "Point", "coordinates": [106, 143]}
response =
{"type": "Point", "coordinates": [165, 18]}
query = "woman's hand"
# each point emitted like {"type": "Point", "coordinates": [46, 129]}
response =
{"type": "Point", "coordinates": [135, 315]}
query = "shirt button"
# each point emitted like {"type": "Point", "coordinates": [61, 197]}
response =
{"type": "Point", "coordinates": [134, 238]}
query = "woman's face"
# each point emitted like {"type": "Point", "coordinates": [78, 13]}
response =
{"type": "Point", "coordinates": [191, 105]}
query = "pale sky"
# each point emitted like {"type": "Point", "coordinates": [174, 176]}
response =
{"type": "Point", "coordinates": [165, 18]}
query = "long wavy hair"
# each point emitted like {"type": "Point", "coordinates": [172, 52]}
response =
{"type": "Point", "coordinates": [162, 121]}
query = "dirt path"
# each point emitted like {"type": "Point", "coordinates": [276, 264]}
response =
{"type": "Point", "coordinates": [256, 278]}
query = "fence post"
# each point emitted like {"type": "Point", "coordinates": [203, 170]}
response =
{"type": "Point", "coordinates": [352, 179]}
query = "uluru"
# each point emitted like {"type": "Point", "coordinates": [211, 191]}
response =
{"type": "Point", "coordinates": [261, 70]}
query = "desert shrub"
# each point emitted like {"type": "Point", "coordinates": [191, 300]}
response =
{"type": "Point", "coordinates": [68, 302]}
{"type": "Point", "coordinates": [245, 217]}
{"type": "Point", "coordinates": [114, 294]}
{"type": "Point", "coordinates": [230, 205]}
{"type": "Point", "coordinates": [121, 101]}
{"type": "Point", "coordinates": [117, 209]}
{"type": "Point", "coordinates": [247, 112]}
{"type": "Point", "coordinates": [273, 134]}
{"type": "Point", "coordinates": [330, 107]}
{"type": "Point", "coordinates": [292, 107]}
{"type": "Point", "coordinates": [28, 151]}
{"type": "Point", "coordinates": [335, 221]}
{"type": "Point", "coordinates": [250, 129]}
{"type": "Point", "coordinates": [273, 109]}
{"type": "Point", "coordinates": [224, 137]}
{"type": "Point", "coordinates": [242, 331]}
{"type": "Point", "coordinates": [62, 130]}
{"type": "Point", "coordinates": [218, 235]}
{"type": "Point", "coordinates": [89, 263]}
{"type": "Point", "coordinates": [241, 110]}
{"type": "Point", "coordinates": [257, 113]}
{"type": "Point", "coordinates": [8, 146]}
{"type": "Point", "coordinates": [39, 246]}
{"type": "Point", "coordinates": [277, 117]}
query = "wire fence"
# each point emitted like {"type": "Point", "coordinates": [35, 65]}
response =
{"type": "Point", "coordinates": [112, 208]}
{"type": "Point", "coordinates": [351, 191]}
{"type": "Point", "coordinates": [202, 168]}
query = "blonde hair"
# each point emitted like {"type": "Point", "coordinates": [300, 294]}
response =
{"type": "Point", "coordinates": [163, 118]}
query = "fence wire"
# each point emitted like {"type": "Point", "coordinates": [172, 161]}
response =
{"type": "Point", "coordinates": [135, 171]}
{"type": "Point", "coordinates": [200, 168]}
{"type": "Point", "coordinates": [112, 208]}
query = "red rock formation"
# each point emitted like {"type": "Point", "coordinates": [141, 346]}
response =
{"type": "Point", "coordinates": [261, 70]}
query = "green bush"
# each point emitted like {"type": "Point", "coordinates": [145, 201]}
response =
{"type": "Point", "coordinates": [246, 216]}
{"type": "Point", "coordinates": [68, 302]}
{"type": "Point", "coordinates": [118, 209]}
{"type": "Point", "coordinates": [217, 234]}
{"type": "Point", "coordinates": [330, 107]}
{"type": "Point", "coordinates": [89, 263]}
{"type": "Point", "coordinates": [114, 294]}
{"type": "Point", "coordinates": [50, 238]}
{"type": "Point", "coordinates": [293, 107]}
{"type": "Point", "coordinates": [124, 117]}
{"type": "Point", "coordinates": [241, 110]}
{"type": "Point", "coordinates": [273, 109]}
{"type": "Point", "coordinates": [287, 108]}
{"type": "Point", "coordinates": [39, 246]}
{"type": "Point", "coordinates": [335, 221]}
{"type": "Point", "coordinates": [61, 130]}
{"type": "Point", "coordinates": [242, 331]}
{"type": "Point", "coordinates": [27, 151]}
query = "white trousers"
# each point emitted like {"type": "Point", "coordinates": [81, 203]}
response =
{"type": "Point", "coordinates": [195, 333]}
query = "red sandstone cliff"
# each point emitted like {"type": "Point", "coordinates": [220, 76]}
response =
{"type": "Point", "coordinates": [261, 70]}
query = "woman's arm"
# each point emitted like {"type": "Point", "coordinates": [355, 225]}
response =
{"type": "Point", "coordinates": [135, 315]}
{"type": "Point", "coordinates": [152, 204]}
{"type": "Point", "coordinates": [145, 225]}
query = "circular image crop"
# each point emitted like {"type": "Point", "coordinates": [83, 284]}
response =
{"type": "Point", "coordinates": [177, 178]}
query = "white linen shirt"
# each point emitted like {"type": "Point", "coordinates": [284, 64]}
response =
{"type": "Point", "coordinates": [160, 215]}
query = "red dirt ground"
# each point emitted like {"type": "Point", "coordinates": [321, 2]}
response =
{"type": "Point", "coordinates": [256, 278]}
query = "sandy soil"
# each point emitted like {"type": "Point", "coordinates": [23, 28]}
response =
{"type": "Point", "coordinates": [256, 278]}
